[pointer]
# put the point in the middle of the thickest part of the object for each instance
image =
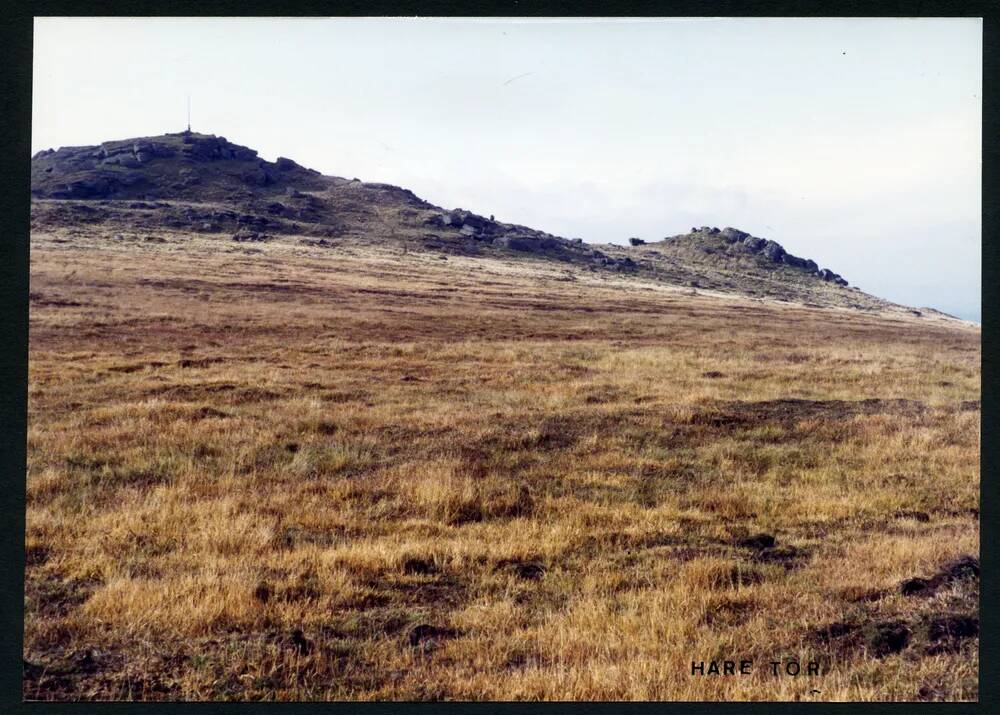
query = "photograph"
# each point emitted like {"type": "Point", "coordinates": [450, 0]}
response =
{"type": "Point", "coordinates": [503, 359]}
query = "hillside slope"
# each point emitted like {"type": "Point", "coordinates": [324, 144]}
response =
{"type": "Point", "coordinates": [369, 473]}
{"type": "Point", "coordinates": [198, 183]}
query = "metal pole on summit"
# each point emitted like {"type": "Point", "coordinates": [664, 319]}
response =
{"type": "Point", "coordinates": [189, 114]}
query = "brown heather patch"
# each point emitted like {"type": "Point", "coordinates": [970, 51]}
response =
{"type": "Point", "coordinates": [355, 474]}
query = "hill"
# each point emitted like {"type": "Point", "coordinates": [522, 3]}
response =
{"type": "Point", "coordinates": [203, 183]}
{"type": "Point", "coordinates": [383, 452]}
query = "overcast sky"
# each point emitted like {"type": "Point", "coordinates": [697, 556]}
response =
{"type": "Point", "coordinates": [852, 142]}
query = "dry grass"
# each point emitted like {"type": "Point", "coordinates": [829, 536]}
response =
{"type": "Point", "coordinates": [254, 473]}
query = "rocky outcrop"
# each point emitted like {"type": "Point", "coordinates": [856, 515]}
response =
{"type": "Point", "coordinates": [99, 185]}
{"type": "Point", "coordinates": [732, 235]}
{"type": "Point", "coordinates": [775, 253]}
{"type": "Point", "coordinates": [210, 148]}
{"type": "Point", "coordinates": [770, 250]}
{"type": "Point", "coordinates": [827, 275]}
{"type": "Point", "coordinates": [521, 239]}
{"type": "Point", "coordinates": [167, 166]}
{"type": "Point", "coordinates": [127, 181]}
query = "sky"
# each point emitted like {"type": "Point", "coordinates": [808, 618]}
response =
{"type": "Point", "coordinates": [854, 142]}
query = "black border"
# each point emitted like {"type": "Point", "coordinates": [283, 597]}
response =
{"type": "Point", "coordinates": [15, 108]}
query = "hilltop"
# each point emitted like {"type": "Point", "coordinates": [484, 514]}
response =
{"type": "Point", "coordinates": [201, 183]}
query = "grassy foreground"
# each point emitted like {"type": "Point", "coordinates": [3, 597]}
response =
{"type": "Point", "coordinates": [289, 472]}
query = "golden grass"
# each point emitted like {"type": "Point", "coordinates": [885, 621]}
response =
{"type": "Point", "coordinates": [252, 475]}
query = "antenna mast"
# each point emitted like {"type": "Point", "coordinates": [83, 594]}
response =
{"type": "Point", "coordinates": [189, 114]}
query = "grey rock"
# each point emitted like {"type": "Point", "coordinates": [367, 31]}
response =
{"type": "Point", "coordinates": [773, 251]}
{"type": "Point", "coordinates": [258, 177]}
{"type": "Point", "coordinates": [733, 235]}
{"type": "Point", "coordinates": [518, 243]}
{"type": "Point", "coordinates": [636, 241]}
{"type": "Point", "coordinates": [476, 222]}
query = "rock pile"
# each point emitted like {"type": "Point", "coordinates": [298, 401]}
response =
{"type": "Point", "coordinates": [772, 250]}
{"type": "Point", "coordinates": [167, 165]}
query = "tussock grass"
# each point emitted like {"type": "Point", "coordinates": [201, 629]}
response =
{"type": "Point", "coordinates": [248, 493]}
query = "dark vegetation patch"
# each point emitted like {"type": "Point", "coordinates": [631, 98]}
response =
{"type": "Point", "coordinates": [757, 541]}
{"type": "Point", "coordinates": [51, 596]}
{"type": "Point", "coordinates": [788, 556]}
{"type": "Point", "coordinates": [39, 299]}
{"type": "Point", "coordinates": [200, 362]}
{"type": "Point", "coordinates": [882, 639]}
{"type": "Point", "coordinates": [36, 554]}
{"type": "Point", "coordinates": [205, 412]}
{"type": "Point", "coordinates": [421, 567]}
{"type": "Point", "coordinates": [427, 637]}
{"type": "Point", "coordinates": [861, 594]}
{"type": "Point", "coordinates": [935, 627]}
{"type": "Point", "coordinates": [789, 411]}
{"type": "Point", "coordinates": [126, 368]}
{"type": "Point", "coordinates": [527, 570]}
{"type": "Point", "coordinates": [921, 516]}
{"type": "Point", "coordinates": [727, 611]}
{"type": "Point", "coordinates": [299, 643]}
{"type": "Point", "coordinates": [947, 633]}
{"type": "Point", "coordinates": [65, 672]}
{"type": "Point", "coordinates": [963, 568]}
{"type": "Point", "coordinates": [878, 638]}
{"type": "Point", "coordinates": [198, 391]}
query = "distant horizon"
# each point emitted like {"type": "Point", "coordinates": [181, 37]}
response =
{"type": "Point", "coordinates": [877, 180]}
